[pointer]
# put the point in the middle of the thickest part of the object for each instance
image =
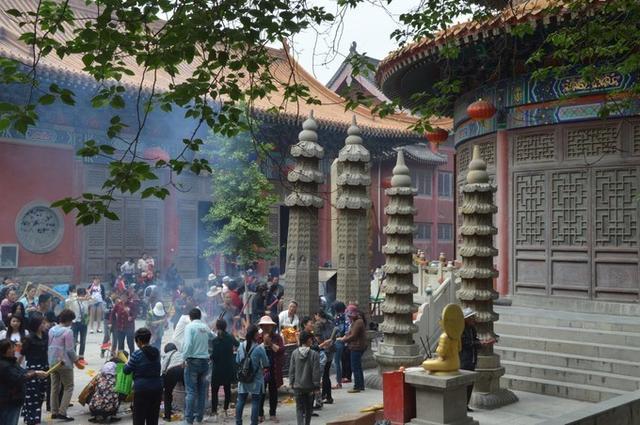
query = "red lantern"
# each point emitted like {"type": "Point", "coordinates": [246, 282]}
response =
{"type": "Point", "coordinates": [481, 110]}
{"type": "Point", "coordinates": [437, 135]}
{"type": "Point", "coordinates": [156, 154]}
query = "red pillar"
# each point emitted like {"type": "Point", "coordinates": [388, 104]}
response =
{"type": "Point", "coordinates": [502, 219]}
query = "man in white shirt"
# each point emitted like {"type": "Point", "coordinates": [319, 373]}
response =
{"type": "Point", "coordinates": [78, 302]}
{"type": "Point", "coordinates": [289, 318]}
{"type": "Point", "coordinates": [128, 270]}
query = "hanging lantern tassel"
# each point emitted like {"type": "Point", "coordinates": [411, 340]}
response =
{"type": "Point", "coordinates": [481, 110]}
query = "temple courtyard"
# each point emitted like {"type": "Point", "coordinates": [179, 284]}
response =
{"type": "Point", "coordinates": [531, 409]}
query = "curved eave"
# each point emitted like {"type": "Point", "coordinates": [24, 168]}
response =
{"type": "Point", "coordinates": [425, 54]}
{"type": "Point", "coordinates": [334, 125]}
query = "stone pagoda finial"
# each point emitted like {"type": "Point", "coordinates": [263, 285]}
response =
{"type": "Point", "coordinates": [477, 274]}
{"type": "Point", "coordinates": [353, 204]}
{"type": "Point", "coordinates": [304, 202]}
{"type": "Point", "coordinates": [398, 348]}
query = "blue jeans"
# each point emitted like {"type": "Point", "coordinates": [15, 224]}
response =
{"type": "Point", "coordinates": [9, 415]}
{"type": "Point", "coordinates": [255, 407]}
{"type": "Point", "coordinates": [196, 383]}
{"type": "Point", "coordinates": [356, 366]}
{"type": "Point", "coordinates": [338, 362]}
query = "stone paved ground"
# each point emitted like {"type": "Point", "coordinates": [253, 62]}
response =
{"type": "Point", "coordinates": [531, 409]}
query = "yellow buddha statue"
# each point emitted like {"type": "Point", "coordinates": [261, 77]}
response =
{"type": "Point", "coordinates": [450, 344]}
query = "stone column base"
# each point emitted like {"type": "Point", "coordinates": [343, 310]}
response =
{"type": "Point", "coordinates": [493, 400]}
{"type": "Point", "coordinates": [440, 399]}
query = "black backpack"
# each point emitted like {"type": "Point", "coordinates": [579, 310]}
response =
{"type": "Point", "coordinates": [246, 372]}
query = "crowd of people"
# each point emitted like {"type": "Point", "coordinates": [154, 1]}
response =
{"type": "Point", "coordinates": [226, 333]}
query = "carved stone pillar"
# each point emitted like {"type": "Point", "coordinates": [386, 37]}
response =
{"type": "Point", "coordinates": [477, 274]}
{"type": "Point", "coordinates": [304, 203]}
{"type": "Point", "coordinates": [352, 203]}
{"type": "Point", "coordinates": [399, 348]}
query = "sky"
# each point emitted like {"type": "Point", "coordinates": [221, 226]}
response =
{"type": "Point", "coordinates": [369, 25]}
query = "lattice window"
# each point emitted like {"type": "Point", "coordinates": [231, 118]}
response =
{"type": "Point", "coordinates": [530, 205]}
{"type": "Point", "coordinates": [534, 147]}
{"type": "Point", "coordinates": [133, 227]}
{"type": "Point", "coordinates": [591, 141]}
{"type": "Point", "coordinates": [636, 139]}
{"type": "Point", "coordinates": [463, 156]}
{"type": "Point", "coordinates": [152, 227]}
{"type": "Point", "coordinates": [616, 207]}
{"type": "Point", "coordinates": [569, 208]}
{"type": "Point", "coordinates": [488, 152]}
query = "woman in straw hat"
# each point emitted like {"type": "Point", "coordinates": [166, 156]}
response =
{"type": "Point", "coordinates": [274, 345]}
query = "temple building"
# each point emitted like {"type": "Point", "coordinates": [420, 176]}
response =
{"type": "Point", "coordinates": [567, 184]}
{"type": "Point", "coordinates": [431, 169]}
{"type": "Point", "coordinates": [42, 244]}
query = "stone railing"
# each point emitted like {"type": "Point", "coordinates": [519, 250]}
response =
{"type": "Point", "coordinates": [429, 312]}
{"type": "Point", "coordinates": [621, 410]}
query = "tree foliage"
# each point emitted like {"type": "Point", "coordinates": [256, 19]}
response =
{"type": "Point", "coordinates": [225, 42]}
{"type": "Point", "coordinates": [242, 198]}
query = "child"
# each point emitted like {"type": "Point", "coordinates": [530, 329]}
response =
{"type": "Point", "coordinates": [147, 383]}
{"type": "Point", "coordinates": [304, 377]}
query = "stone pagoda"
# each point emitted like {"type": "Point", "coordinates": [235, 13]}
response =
{"type": "Point", "coordinates": [399, 348]}
{"type": "Point", "coordinates": [304, 203]}
{"type": "Point", "coordinates": [477, 274]}
{"type": "Point", "coordinates": [353, 203]}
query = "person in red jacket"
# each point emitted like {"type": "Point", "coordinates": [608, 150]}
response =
{"type": "Point", "coordinates": [123, 319]}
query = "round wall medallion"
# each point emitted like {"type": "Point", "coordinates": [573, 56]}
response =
{"type": "Point", "coordinates": [39, 228]}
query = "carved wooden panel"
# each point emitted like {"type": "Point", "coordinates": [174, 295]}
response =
{"type": "Point", "coordinates": [569, 208]}
{"type": "Point", "coordinates": [463, 157]}
{"type": "Point", "coordinates": [530, 207]}
{"type": "Point", "coordinates": [133, 230]}
{"type": "Point", "coordinates": [585, 142]}
{"type": "Point", "coordinates": [635, 139]}
{"type": "Point", "coordinates": [534, 147]}
{"type": "Point", "coordinates": [488, 153]}
{"type": "Point", "coordinates": [616, 214]}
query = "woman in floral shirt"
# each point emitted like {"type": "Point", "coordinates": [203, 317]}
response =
{"type": "Point", "coordinates": [105, 402]}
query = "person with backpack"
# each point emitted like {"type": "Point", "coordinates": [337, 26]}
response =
{"type": "Point", "coordinates": [78, 302]}
{"type": "Point", "coordinates": [144, 364]}
{"type": "Point", "coordinates": [304, 377]}
{"type": "Point", "coordinates": [251, 359]}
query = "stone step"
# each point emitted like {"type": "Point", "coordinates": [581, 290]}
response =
{"type": "Point", "coordinates": [631, 339]}
{"type": "Point", "coordinates": [587, 349]}
{"type": "Point", "coordinates": [572, 361]}
{"type": "Point", "coordinates": [576, 376]}
{"type": "Point", "coordinates": [532, 316]}
{"type": "Point", "coordinates": [554, 388]}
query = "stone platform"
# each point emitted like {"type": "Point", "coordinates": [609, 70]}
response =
{"type": "Point", "coordinates": [440, 399]}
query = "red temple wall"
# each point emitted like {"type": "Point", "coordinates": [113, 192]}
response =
{"type": "Point", "coordinates": [32, 172]}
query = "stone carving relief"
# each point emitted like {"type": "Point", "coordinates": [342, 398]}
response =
{"type": "Point", "coordinates": [39, 228]}
{"type": "Point", "coordinates": [616, 215]}
{"type": "Point", "coordinates": [534, 147]}
{"type": "Point", "coordinates": [569, 208]}
{"type": "Point", "coordinates": [583, 142]}
{"type": "Point", "coordinates": [530, 205]}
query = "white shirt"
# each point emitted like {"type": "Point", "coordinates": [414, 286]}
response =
{"type": "Point", "coordinates": [178, 332]}
{"type": "Point", "coordinates": [15, 336]}
{"type": "Point", "coordinates": [169, 360]}
{"type": "Point", "coordinates": [286, 322]}
{"type": "Point", "coordinates": [128, 268]}
{"type": "Point", "coordinates": [79, 307]}
{"type": "Point", "coordinates": [142, 265]}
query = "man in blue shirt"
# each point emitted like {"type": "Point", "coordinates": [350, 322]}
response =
{"type": "Point", "coordinates": [195, 351]}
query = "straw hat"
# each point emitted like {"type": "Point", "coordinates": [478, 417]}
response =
{"type": "Point", "coordinates": [158, 309]}
{"type": "Point", "coordinates": [214, 291]}
{"type": "Point", "coordinates": [266, 320]}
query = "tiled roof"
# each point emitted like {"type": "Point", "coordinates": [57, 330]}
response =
{"type": "Point", "coordinates": [330, 112]}
{"type": "Point", "coordinates": [532, 11]}
{"type": "Point", "coordinates": [422, 152]}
